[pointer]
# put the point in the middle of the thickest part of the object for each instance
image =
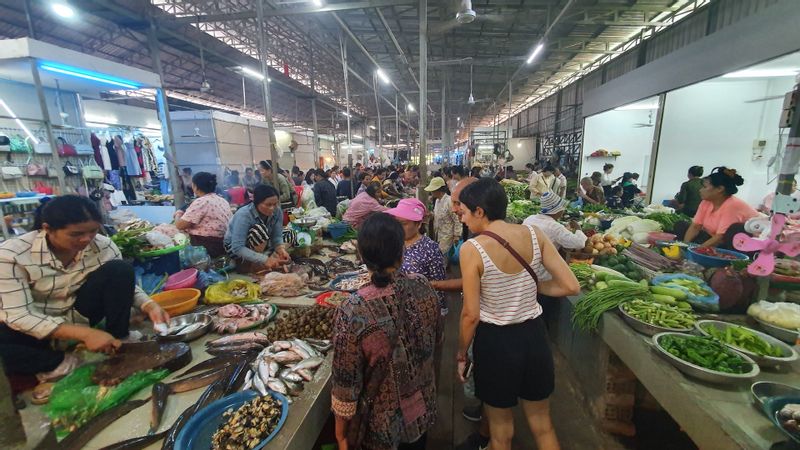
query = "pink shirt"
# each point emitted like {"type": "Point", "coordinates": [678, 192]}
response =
{"type": "Point", "coordinates": [733, 210]}
{"type": "Point", "coordinates": [209, 216]}
{"type": "Point", "coordinates": [360, 208]}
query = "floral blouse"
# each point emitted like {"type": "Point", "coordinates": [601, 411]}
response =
{"type": "Point", "coordinates": [425, 258]}
{"type": "Point", "coordinates": [209, 216]}
{"type": "Point", "coordinates": [383, 369]}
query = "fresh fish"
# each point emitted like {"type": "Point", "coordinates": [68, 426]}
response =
{"type": "Point", "coordinates": [277, 386]}
{"type": "Point", "coordinates": [310, 364]}
{"type": "Point", "coordinates": [159, 395]}
{"type": "Point", "coordinates": [212, 363]}
{"type": "Point", "coordinates": [232, 349]}
{"type": "Point", "coordinates": [80, 437]}
{"type": "Point", "coordinates": [305, 346]}
{"type": "Point", "coordinates": [305, 374]}
{"type": "Point", "coordinates": [259, 385]}
{"type": "Point", "coordinates": [317, 341]}
{"type": "Point", "coordinates": [293, 388]}
{"type": "Point", "coordinates": [196, 381]}
{"type": "Point", "coordinates": [288, 375]}
{"type": "Point", "coordinates": [281, 345]}
{"type": "Point", "coordinates": [236, 376]}
{"type": "Point", "coordinates": [189, 328]}
{"type": "Point", "coordinates": [286, 357]}
{"type": "Point", "coordinates": [248, 385]}
{"type": "Point", "coordinates": [253, 336]}
{"type": "Point", "coordinates": [300, 351]}
{"type": "Point", "coordinates": [263, 370]}
{"type": "Point", "coordinates": [249, 377]}
{"type": "Point", "coordinates": [137, 443]}
{"type": "Point", "coordinates": [273, 368]}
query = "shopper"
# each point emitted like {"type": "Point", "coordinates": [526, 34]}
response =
{"type": "Point", "coordinates": [445, 222]}
{"type": "Point", "coordinates": [336, 176]}
{"type": "Point", "coordinates": [254, 237]}
{"type": "Point", "coordinates": [511, 350]}
{"type": "Point", "coordinates": [629, 189]}
{"type": "Point", "coordinates": [384, 390]}
{"type": "Point", "coordinates": [324, 192]}
{"type": "Point", "coordinates": [560, 182]}
{"type": "Point", "coordinates": [553, 208]}
{"type": "Point", "coordinates": [475, 172]}
{"type": "Point", "coordinates": [54, 277]}
{"type": "Point", "coordinates": [250, 179]}
{"type": "Point", "coordinates": [542, 183]}
{"type": "Point", "coordinates": [287, 193]}
{"type": "Point", "coordinates": [186, 181]}
{"type": "Point", "coordinates": [687, 200]}
{"type": "Point", "coordinates": [590, 193]}
{"type": "Point", "coordinates": [606, 180]}
{"type": "Point", "coordinates": [421, 255]}
{"type": "Point", "coordinates": [364, 180]}
{"type": "Point", "coordinates": [345, 187]}
{"type": "Point", "coordinates": [597, 178]}
{"type": "Point", "coordinates": [615, 201]}
{"type": "Point", "coordinates": [390, 186]}
{"type": "Point", "coordinates": [363, 205]}
{"type": "Point", "coordinates": [721, 215]}
{"type": "Point", "coordinates": [297, 176]}
{"type": "Point", "coordinates": [207, 217]}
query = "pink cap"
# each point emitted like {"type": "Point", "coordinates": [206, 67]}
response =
{"type": "Point", "coordinates": [409, 209]}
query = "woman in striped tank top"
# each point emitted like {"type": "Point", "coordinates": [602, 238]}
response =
{"type": "Point", "coordinates": [510, 348]}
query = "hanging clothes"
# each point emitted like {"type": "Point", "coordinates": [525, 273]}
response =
{"type": "Point", "coordinates": [112, 155]}
{"type": "Point", "coordinates": [150, 163]}
{"type": "Point", "coordinates": [119, 149]}
{"type": "Point", "coordinates": [132, 168]}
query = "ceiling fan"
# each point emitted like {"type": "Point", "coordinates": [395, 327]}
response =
{"type": "Point", "coordinates": [471, 99]}
{"type": "Point", "coordinates": [645, 125]}
{"type": "Point", "coordinates": [205, 85]}
{"type": "Point", "coordinates": [465, 14]}
{"type": "Point", "coordinates": [764, 99]}
{"type": "Point", "coordinates": [196, 134]}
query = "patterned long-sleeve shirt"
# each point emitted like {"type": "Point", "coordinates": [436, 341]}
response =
{"type": "Point", "coordinates": [383, 369]}
{"type": "Point", "coordinates": [37, 292]}
{"type": "Point", "coordinates": [446, 224]}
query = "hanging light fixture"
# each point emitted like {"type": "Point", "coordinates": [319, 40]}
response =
{"type": "Point", "coordinates": [465, 13]}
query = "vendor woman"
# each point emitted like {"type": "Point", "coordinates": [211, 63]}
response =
{"type": "Point", "coordinates": [57, 284]}
{"type": "Point", "coordinates": [207, 217]}
{"type": "Point", "coordinates": [255, 234]}
{"type": "Point", "coordinates": [721, 214]}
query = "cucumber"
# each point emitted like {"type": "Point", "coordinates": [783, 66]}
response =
{"type": "Point", "coordinates": [621, 283]}
{"type": "Point", "coordinates": [665, 299]}
{"type": "Point", "coordinates": [678, 294]}
{"type": "Point", "coordinates": [610, 277]}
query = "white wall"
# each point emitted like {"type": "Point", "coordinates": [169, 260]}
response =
{"type": "Point", "coordinates": [615, 130]}
{"type": "Point", "coordinates": [524, 151]}
{"type": "Point", "coordinates": [712, 124]}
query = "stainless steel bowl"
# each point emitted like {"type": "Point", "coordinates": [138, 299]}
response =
{"type": "Point", "coordinates": [784, 334]}
{"type": "Point", "coordinates": [187, 319]}
{"type": "Point", "coordinates": [711, 376]}
{"type": "Point", "coordinates": [762, 390]}
{"type": "Point", "coordinates": [788, 354]}
{"type": "Point", "coordinates": [305, 222]}
{"type": "Point", "coordinates": [646, 328]}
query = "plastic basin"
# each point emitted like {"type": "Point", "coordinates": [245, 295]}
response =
{"type": "Point", "coordinates": [181, 280]}
{"type": "Point", "coordinates": [338, 230]}
{"type": "Point", "coordinates": [178, 301]}
{"type": "Point", "coordinates": [713, 261]}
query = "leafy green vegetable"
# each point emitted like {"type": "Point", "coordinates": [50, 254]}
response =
{"type": "Point", "coordinates": [591, 207]}
{"type": "Point", "coordinates": [516, 191]}
{"type": "Point", "coordinates": [519, 210]}
{"type": "Point", "coordinates": [667, 220]}
{"type": "Point", "coordinates": [130, 242]}
{"type": "Point", "coordinates": [744, 339]}
{"type": "Point", "coordinates": [704, 352]}
{"type": "Point", "coordinates": [660, 314]}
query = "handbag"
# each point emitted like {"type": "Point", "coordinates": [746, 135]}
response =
{"type": "Point", "coordinates": [42, 148]}
{"type": "Point", "coordinates": [11, 172]}
{"type": "Point", "coordinates": [5, 143]}
{"type": "Point", "coordinates": [71, 169]}
{"type": "Point", "coordinates": [42, 188]}
{"type": "Point", "coordinates": [65, 149]}
{"type": "Point", "coordinates": [19, 145]}
{"type": "Point", "coordinates": [36, 170]}
{"type": "Point", "coordinates": [92, 172]}
{"type": "Point", "coordinates": [84, 149]}
{"type": "Point", "coordinates": [514, 253]}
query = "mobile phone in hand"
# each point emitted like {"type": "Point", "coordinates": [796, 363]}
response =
{"type": "Point", "coordinates": [467, 370]}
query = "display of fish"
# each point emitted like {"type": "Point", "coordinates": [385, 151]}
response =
{"type": "Point", "coordinates": [159, 395]}
{"type": "Point", "coordinates": [307, 364]}
{"type": "Point", "coordinates": [80, 437]}
{"type": "Point", "coordinates": [137, 443]}
{"type": "Point", "coordinates": [240, 338]}
{"type": "Point", "coordinates": [209, 364]}
{"type": "Point", "coordinates": [284, 366]}
{"type": "Point", "coordinates": [243, 347]}
{"type": "Point", "coordinates": [286, 357]}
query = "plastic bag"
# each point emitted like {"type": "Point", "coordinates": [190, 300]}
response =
{"type": "Point", "coordinates": [158, 239]}
{"type": "Point", "coordinates": [307, 200]}
{"type": "Point", "coordinates": [454, 251]}
{"type": "Point", "coordinates": [207, 278]}
{"type": "Point", "coordinates": [341, 207]}
{"type": "Point", "coordinates": [233, 291]}
{"type": "Point", "coordinates": [283, 284]}
{"type": "Point", "coordinates": [195, 256]}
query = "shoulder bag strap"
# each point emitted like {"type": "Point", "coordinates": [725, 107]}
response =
{"type": "Point", "coordinates": [514, 253]}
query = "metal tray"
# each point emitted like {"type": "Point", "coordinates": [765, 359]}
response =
{"type": "Point", "coordinates": [784, 334]}
{"type": "Point", "coordinates": [646, 328]}
{"type": "Point", "coordinates": [789, 354]}
{"type": "Point", "coordinates": [701, 373]}
{"type": "Point", "coordinates": [762, 390]}
{"type": "Point", "coordinates": [187, 319]}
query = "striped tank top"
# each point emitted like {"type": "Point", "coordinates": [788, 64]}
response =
{"type": "Point", "coordinates": [509, 298]}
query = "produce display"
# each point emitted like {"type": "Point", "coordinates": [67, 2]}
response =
{"type": "Point", "coordinates": [285, 365]}
{"type": "Point", "coordinates": [584, 273]}
{"type": "Point", "coordinates": [710, 251]}
{"type": "Point", "coordinates": [599, 244]}
{"type": "Point", "coordinates": [667, 219]}
{"type": "Point", "coordinates": [741, 337]}
{"type": "Point", "coordinates": [633, 228]}
{"type": "Point", "coordinates": [593, 208]}
{"type": "Point", "coordinates": [659, 314]}
{"type": "Point", "coordinates": [519, 210]}
{"type": "Point", "coordinates": [705, 352]}
{"type": "Point", "coordinates": [780, 314]}
{"type": "Point", "coordinates": [649, 259]}
{"type": "Point", "coordinates": [789, 417]}
{"type": "Point", "coordinates": [621, 264]}
{"type": "Point", "coordinates": [592, 305]}
{"type": "Point", "coordinates": [515, 190]}
{"type": "Point", "coordinates": [246, 427]}
{"type": "Point", "coordinates": [314, 322]}
{"type": "Point", "coordinates": [787, 267]}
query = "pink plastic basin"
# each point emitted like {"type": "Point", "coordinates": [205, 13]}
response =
{"type": "Point", "coordinates": [181, 280]}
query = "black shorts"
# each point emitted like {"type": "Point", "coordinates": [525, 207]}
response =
{"type": "Point", "coordinates": [511, 362]}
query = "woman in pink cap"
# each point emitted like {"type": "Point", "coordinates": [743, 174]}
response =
{"type": "Point", "coordinates": [421, 254]}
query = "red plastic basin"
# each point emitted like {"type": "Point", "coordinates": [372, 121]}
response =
{"type": "Point", "coordinates": [181, 280]}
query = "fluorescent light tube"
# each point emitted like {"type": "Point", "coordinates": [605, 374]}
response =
{"type": "Point", "coordinates": [89, 75]}
{"type": "Point", "coordinates": [535, 53]}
